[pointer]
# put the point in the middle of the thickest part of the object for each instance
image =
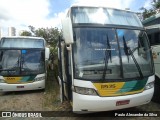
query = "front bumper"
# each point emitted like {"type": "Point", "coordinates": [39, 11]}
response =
{"type": "Point", "coordinates": [4, 87]}
{"type": "Point", "coordinates": [96, 103]}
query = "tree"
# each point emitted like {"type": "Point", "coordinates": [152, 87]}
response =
{"type": "Point", "coordinates": [156, 7]}
{"type": "Point", "coordinates": [25, 33]}
{"type": "Point", "coordinates": [32, 29]}
{"type": "Point", "coordinates": [154, 10]}
{"type": "Point", "coordinates": [51, 35]}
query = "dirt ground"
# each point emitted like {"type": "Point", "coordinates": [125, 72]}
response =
{"type": "Point", "coordinates": [48, 100]}
{"type": "Point", "coordinates": [37, 100]}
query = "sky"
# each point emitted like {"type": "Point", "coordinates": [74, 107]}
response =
{"type": "Point", "coordinates": [48, 13]}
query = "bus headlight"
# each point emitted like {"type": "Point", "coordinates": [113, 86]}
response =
{"type": "Point", "coordinates": [39, 78]}
{"type": "Point", "coordinates": [2, 81]}
{"type": "Point", "coordinates": [149, 86]}
{"type": "Point", "coordinates": [85, 91]}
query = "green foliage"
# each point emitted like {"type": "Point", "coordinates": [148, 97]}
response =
{"type": "Point", "coordinates": [53, 50]}
{"type": "Point", "coordinates": [26, 33]}
{"type": "Point", "coordinates": [32, 29]}
{"type": "Point", "coordinates": [148, 13]}
{"type": "Point", "coordinates": [154, 10]}
{"type": "Point", "coordinates": [51, 35]}
{"type": "Point", "coordinates": [156, 5]}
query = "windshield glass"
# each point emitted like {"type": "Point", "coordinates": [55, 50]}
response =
{"type": "Point", "coordinates": [21, 43]}
{"type": "Point", "coordinates": [104, 16]}
{"type": "Point", "coordinates": [21, 62]}
{"type": "Point", "coordinates": [96, 50]}
{"type": "Point", "coordinates": [136, 41]}
{"type": "Point", "coordinates": [97, 55]}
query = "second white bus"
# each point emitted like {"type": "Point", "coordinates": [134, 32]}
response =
{"type": "Point", "coordinates": [23, 63]}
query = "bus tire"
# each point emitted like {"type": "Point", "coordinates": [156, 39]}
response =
{"type": "Point", "coordinates": [156, 96]}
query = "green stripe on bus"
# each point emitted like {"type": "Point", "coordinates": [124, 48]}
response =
{"type": "Point", "coordinates": [27, 78]}
{"type": "Point", "coordinates": [132, 86]}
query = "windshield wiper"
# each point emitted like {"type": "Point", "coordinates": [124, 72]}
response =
{"type": "Point", "coordinates": [128, 52]}
{"type": "Point", "coordinates": [11, 69]}
{"type": "Point", "coordinates": [23, 65]}
{"type": "Point", "coordinates": [106, 66]}
{"type": "Point", "coordinates": [107, 56]}
{"type": "Point", "coordinates": [109, 48]}
{"type": "Point", "coordinates": [126, 48]}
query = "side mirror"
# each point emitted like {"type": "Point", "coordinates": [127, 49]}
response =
{"type": "Point", "coordinates": [67, 30]}
{"type": "Point", "coordinates": [47, 52]}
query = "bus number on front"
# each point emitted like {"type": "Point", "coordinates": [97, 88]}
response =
{"type": "Point", "coordinates": [108, 86]}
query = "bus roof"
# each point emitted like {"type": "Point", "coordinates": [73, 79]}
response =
{"type": "Point", "coordinates": [22, 37]}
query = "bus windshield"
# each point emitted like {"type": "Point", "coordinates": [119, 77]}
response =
{"type": "Point", "coordinates": [22, 43]}
{"type": "Point", "coordinates": [21, 62]}
{"type": "Point", "coordinates": [121, 53]}
{"type": "Point", "coordinates": [96, 15]}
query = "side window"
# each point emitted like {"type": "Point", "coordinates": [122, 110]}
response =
{"type": "Point", "coordinates": [157, 38]}
{"type": "Point", "coordinates": [154, 38]}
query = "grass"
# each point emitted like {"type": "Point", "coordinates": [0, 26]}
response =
{"type": "Point", "coordinates": [51, 91]}
{"type": "Point", "coordinates": [51, 96]}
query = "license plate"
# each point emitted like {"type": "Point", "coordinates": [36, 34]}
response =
{"type": "Point", "coordinates": [20, 86]}
{"type": "Point", "coordinates": [123, 102]}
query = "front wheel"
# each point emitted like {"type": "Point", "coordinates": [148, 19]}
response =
{"type": "Point", "coordinates": [156, 95]}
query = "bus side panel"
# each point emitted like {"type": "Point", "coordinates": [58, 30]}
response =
{"type": "Point", "coordinates": [156, 57]}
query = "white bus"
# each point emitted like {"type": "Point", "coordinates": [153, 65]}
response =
{"type": "Point", "coordinates": [22, 63]}
{"type": "Point", "coordinates": [104, 59]}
